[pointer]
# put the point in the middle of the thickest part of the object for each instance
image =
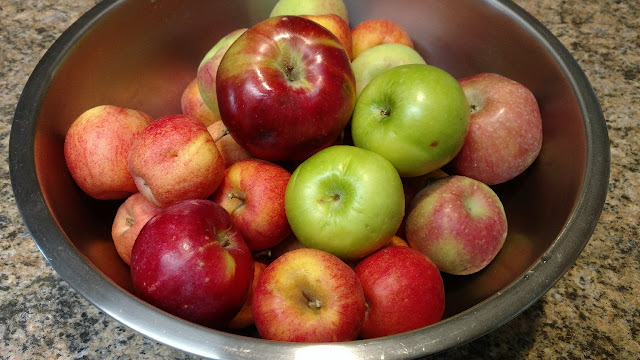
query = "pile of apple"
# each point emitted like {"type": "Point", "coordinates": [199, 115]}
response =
{"type": "Point", "coordinates": [306, 153]}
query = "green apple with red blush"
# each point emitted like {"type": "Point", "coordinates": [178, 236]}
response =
{"type": "Point", "coordinates": [459, 223]}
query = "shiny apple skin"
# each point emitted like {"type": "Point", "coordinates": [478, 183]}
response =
{"type": "Point", "coordinates": [191, 262]}
{"type": "Point", "coordinates": [285, 89]}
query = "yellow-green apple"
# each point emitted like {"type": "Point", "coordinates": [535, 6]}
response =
{"type": "Point", "coordinates": [252, 191]}
{"type": "Point", "coordinates": [223, 43]}
{"type": "Point", "coordinates": [505, 130]}
{"type": "Point", "coordinates": [207, 71]}
{"type": "Point", "coordinates": [175, 158]}
{"type": "Point", "coordinates": [370, 33]}
{"type": "Point", "coordinates": [244, 318]}
{"type": "Point", "coordinates": [190, 261]}
{"type": "Point", "coordinates": [192, 104]}
{"type": "Point", "coordinates": [403, 289]}
{"type": "Point", "coordinates": [379, 58]}
{"type": "Point", "coordinates": [416, 116]}
{"type": "Point", "coordinates": [230, 150]}
{"type": "Point", "coordinates": [308, 295]}
{"type": "Point", "coordinates": [459, 223]}
{"type": "Point", "coordinates": [131, 216]}
{"type": "Point", "coordinates": [96, 147]}
{"type": "Point", "coordinates": [311, 7]}
{"type": "Point", "coordinates": [285, 89]}
{"type": "Point", "coordinates": [337, 26]}
{"type": "Point", "coordinates": [345, 200]}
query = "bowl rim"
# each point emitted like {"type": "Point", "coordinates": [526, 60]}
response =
{"type": "Point", "coordinates": [153, 323]}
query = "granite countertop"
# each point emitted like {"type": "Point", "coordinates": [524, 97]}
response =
{"type": "Point", "coordinates": [593, 312]}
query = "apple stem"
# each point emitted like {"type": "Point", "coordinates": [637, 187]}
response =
{"type": "Point", "coordinates": [385, 112]}
{"type": "Point", "coordinates": [224, 133]}
{"type": "Point", "coordinates": [263, 253]}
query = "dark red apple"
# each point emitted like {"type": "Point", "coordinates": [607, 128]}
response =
{"type": "Point", "coordinates": [285, 88]}
{"type": "Point", "coordinates": [403, 289]}
{"type": "Point", "coordinates": [190, 261]}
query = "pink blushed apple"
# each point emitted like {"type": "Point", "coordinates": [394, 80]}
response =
{"type": "Point", "coordinates": [174, 159]}
{"type": "Point", "coordinates": [190, 261]}
{"type": "Point", "coordinates": [129, 220]}
{"type": "Point", "coordinates": [370, 33]}
{"type": "Point", "coordinates": [505, 129]}
{"type": "Point", "coordinates": [403, 289]}
{"type": "Point", "coordinates": [308, 295]}
{"type": "Point", "coordinates": [96, 147]}
{"type": "Point", "coordinates": [192, 104]}
{"type": "Point", "coordinates": [253, 192]}
{"type": "Point", "coordinates": [459, 223]}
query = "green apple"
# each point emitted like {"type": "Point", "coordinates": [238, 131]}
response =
{"type": "Point", "coordinates": [416, 116]}
{"type": "Point", "coordinates": [345, 200]}
{"type": "Point", "coordinates": [310, 7]}
{"type": "Point", "coordinates": [379, 58]}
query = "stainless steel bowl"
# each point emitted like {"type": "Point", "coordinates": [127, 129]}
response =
{"type": "Point", "coordinates": [141, 54]}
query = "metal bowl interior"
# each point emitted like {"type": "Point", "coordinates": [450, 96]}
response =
{"type": "Point", "coordinates": [142, 54]}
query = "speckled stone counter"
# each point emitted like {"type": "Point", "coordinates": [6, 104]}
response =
{"type": "Point", "coordinates": [593, 312]}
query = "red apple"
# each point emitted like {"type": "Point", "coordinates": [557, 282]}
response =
{"type": "Point", "coordinates": [459, 223]}
{"type": "Point", "coordinates": [308, 295]}
{"type": "Point", "coordinates": [337, 26]}
{"type": "Point", "coordinates": [192, 104]}
{"type": "Point", "coordinates": [129, 220]}
{"type": "Point", "coordinates": [252, 191]}
{"type": "Point", "coordinates": [285, 89]}
{"type": "Point", "coordinates": [96, 147]}
{"type": "Point", "coordinates": [190, 261]}
{"type": "Point", "coordinates": [505, 129]}
{"type": "Point", "coordinates": [370, 33]}
{"type": "Point", "coordinates": [403, 289]}
{"type": "Point", "coordinates": [244, 318]}
{"type": "Point", "coordinates": [175, 159]}
{"type": "Point", "coordinates": [229, 149]}
{"type": "Point", "coordinates": [208, 69]}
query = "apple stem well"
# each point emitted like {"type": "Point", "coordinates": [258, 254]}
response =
{"type": "Point", "coordinates": [242, 199]}
{"type": "Point", "coordinates": [313, 304]}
